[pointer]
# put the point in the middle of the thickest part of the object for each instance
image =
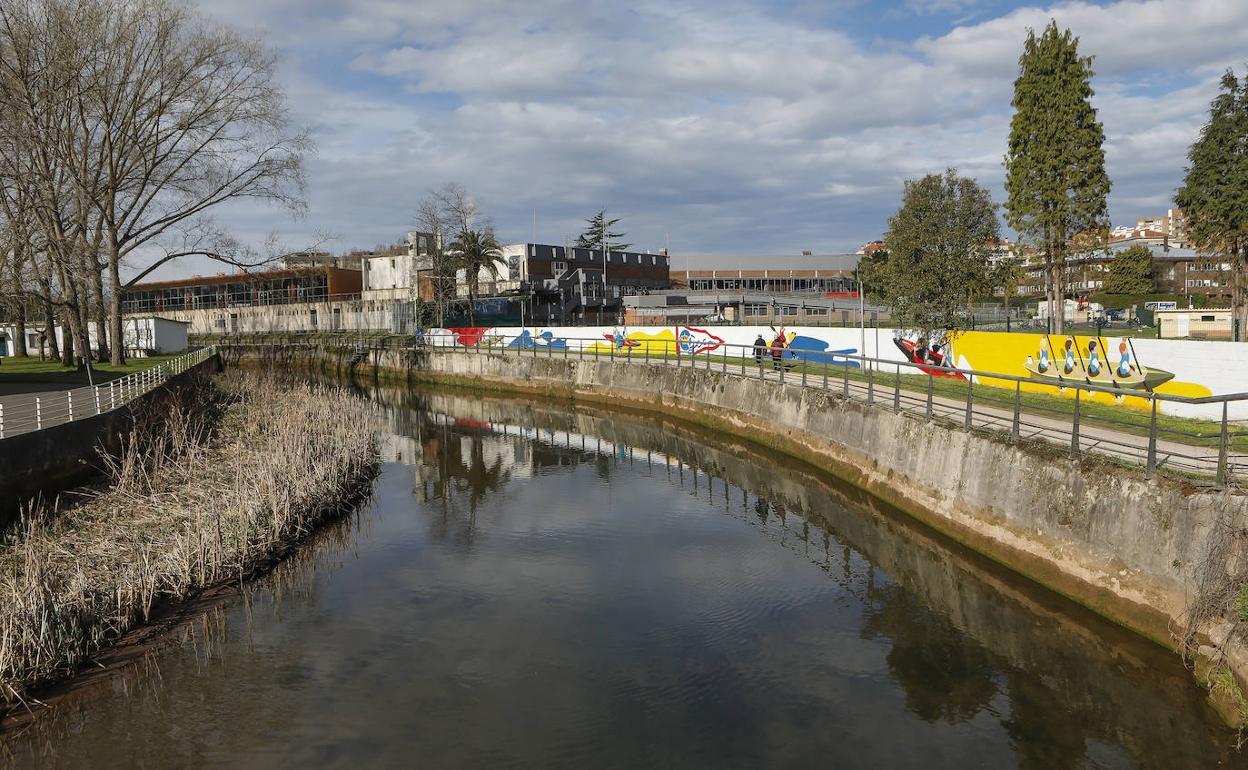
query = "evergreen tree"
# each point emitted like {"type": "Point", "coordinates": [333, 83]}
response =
{"type": "Point", "coordinates": [938, 245]}
{"type": "Point", "coordinates": [592, 237]}
{"type": "Point", "coordinates": [1214, 196]}
{"type": "Point", "coordinates": [1055, 165]}
{"type": "Point", "coordinates": [1130, 272]}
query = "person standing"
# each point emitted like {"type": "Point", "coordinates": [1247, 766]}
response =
{"type": "Point", "coordinates": [760, 349]}
{"type": "Point", "coordinates": [777, 352]}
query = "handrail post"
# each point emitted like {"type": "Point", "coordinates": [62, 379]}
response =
{"type": "Point", "coordinates": [1222, 450]}
{"type": "Point", "coordinates": [1018, 397]}
{"type": "Point", "coordinates": [870, 384]}
{"type": "Point", "coordinates": [803, 374]}
{"type": "Point", "coordinates": [930, 376]}
{"type": "Point", "coordinates": [1150, 462]}
{"type": "Point", "coordinates": [825, 373]}
{"type": "Point", "coordinates": [970, 395]}
{"type": "Point", "coordinates": [845, 380]}
{"type": "Point", "coordinates": [1074, 426]}
{"type": "Point", "coordinates": [897, 390]}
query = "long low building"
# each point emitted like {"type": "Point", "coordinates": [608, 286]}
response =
{"type": "Point", "coordinates": [314, 283]}
{"type": "Point", "coordinates": [806, 273]}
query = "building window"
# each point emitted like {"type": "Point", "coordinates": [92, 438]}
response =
{"type": "Point", "coordinates": [559, 267]}
{"type": "Point", "coordinates": [756, 310]}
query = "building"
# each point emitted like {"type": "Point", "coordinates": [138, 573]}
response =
{"type": "Point", "coordinates": [1176, 270]}
{"type": "Point", "coordinates": [809, 273]}
{"type": "Point", "coordinates": [296, 259]}
{"type": "Point", "coordinates": [400, 271]}
{"type": "Point", "coordinates": [746, 307]}
{"type": "Point", "coordinates": [571, 284]}
{"type": "Point", "coordinates": [806, 289]}
{"type": "Point", "coordinates": [1198, 324]}
{"type": "Point", "coordinates": [142, 336]}
{"type": "Point", "coordinates": [867, 249]}
{"type": "Point", "coordinates": [271, 287]}
{"type": "Point", "coordinates": [315, 298]}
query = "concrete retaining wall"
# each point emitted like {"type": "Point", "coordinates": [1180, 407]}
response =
{"type": "Point", "coordinates": [43, 463]}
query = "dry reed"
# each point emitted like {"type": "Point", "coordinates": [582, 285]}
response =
{"type": "Point", "coordinates": [194, 509]}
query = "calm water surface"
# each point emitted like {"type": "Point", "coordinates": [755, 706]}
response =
{"type": "Point", "coordinates": [533, 587]}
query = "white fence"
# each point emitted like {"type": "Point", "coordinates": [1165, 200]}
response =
{"type": "Point", "coordinates": [27, 412]}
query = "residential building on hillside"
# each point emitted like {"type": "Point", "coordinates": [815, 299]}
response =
{"type": "Point", "coordinates": [870, 248]}
{"type": "Point", "coordinates": [1175, 270]}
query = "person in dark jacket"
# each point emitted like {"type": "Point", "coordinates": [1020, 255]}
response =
{"type": "Point", "coordinates": [760, 349]}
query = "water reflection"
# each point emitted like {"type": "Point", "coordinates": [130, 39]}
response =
{"type": "Point", "coordinates": [965, 640]}
{"type": "Point", "coordinates": [535, 586]}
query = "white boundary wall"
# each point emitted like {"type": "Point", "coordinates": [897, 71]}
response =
{"type": "Point", "coordinates": [1222, 367]}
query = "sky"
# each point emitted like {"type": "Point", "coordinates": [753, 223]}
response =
{"type": "Point", "coordinates": [708, 126]}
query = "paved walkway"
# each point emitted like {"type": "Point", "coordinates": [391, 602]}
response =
{"type": "Point", "coordinates": [32, 410]}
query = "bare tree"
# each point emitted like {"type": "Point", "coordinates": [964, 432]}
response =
{"type": "Point", "coordinates": [188, 116]}
{"type": "Point", "coordinates": [132, 120]}
{"type": "Point", "coordinates": [446, 212]}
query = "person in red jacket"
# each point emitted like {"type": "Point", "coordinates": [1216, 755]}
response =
{"type": "Point", "coordinates": [777, 352]}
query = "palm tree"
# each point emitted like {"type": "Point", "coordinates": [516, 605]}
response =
{"type": "Point", "coordinates": [475, 251]}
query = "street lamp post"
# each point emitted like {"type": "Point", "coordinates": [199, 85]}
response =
{"type": "Point", "coordinates": [862, 319]}
{"type": "Point", "coordinates": [602, 239]}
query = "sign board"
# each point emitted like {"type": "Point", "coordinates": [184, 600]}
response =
{"type": "Point", "coordinates": [1169, 305]}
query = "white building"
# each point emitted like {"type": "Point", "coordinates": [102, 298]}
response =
{"type": "Point", "coordinates": [391, 276]}
{"type": "Point", "coordinates": [143, 336]}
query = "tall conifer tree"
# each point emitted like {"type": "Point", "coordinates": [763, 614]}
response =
{"type": "Point", "coordinates": [1055, 166]}
{"type": "Point", "coordinates": [1214, 196]}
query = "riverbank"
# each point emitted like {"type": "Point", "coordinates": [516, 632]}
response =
{"type": "Point", "coordinates": [1151, 555]}
{"type": "Point", "coordinates": [208, 503]}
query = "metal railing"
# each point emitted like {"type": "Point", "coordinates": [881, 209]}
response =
{"type": "Point", "coordinates": [235, 300]}
{"type": "Point", "coordinates": [1198, 449]}
{"type": "Point", "coordinates": [28, 412]}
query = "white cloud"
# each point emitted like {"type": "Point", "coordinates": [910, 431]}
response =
{"type": "Point", "coordinates": [727, 126]}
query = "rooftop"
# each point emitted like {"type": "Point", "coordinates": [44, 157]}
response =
{"type": "Point", "coordinates": [845, 262]}
{"type": "Point", "coordinates": [244, 277]}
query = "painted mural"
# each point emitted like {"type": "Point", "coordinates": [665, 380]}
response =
{"type": "Point", "coordinates": [926, 355]}
{"type": "Point", "coordinates": [1050, 363]}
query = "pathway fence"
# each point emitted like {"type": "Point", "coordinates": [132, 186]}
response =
{"type": "Point", "coordinates": [1204, 451]}
{"type": "Point", "coordinates": [26, 412]}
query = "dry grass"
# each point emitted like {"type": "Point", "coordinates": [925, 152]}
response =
{"type": "Point", "coordinates": [205, 503]}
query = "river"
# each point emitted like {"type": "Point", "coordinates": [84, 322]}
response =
{"type": "Point", "coordinates": [537, 586]}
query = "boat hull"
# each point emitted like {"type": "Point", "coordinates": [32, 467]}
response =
{"type": "Point", "coordinates": [1135, 381]}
